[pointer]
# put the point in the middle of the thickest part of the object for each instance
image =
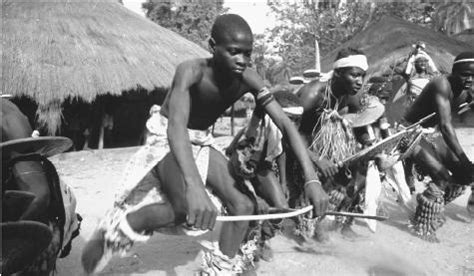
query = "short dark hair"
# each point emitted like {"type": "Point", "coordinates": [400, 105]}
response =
{"type": "Point", "coordinates": [349, 51]}
{"type": "Point", "coordinates": [228, 23]}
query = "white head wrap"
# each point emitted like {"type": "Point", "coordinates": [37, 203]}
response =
{"type": "Point", "coordinates": [352, 61]}
{"type": "Point", "coordinates": [421, 54]}
{"type": "Point", "coordinates": [464, 60]}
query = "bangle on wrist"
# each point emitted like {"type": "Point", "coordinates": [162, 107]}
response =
{"type": "Point", "coordinates": [311, 181]}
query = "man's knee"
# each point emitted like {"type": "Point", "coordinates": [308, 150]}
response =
{"type": "Point", "coordinates": [242, 207]}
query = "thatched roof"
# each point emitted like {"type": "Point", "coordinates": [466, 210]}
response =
{"type": "Point", "coordinates": [466, 36]}
{"type": "Point", "coordinates": [389, 40]}
{"type": "Point", "coordinates": [55, 49]}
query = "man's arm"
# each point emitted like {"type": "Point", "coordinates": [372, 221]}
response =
{"type": "Point", "coordinates": [409, 67]}
{"type": "Point", "coordinates": [443, 105]}
{"type": "Point", "coordinates": [201, 213]}
{"type": "Point", "coordinates": [312, 186]}
{"type": "Point", "coordinates": [318, 197]}
{"type": "Point", "coordinates": [312, 100]}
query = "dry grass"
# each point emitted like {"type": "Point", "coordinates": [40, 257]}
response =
{"type": "Point", "coordinates": [57, 49]}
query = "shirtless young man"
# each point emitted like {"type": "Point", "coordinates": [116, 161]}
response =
{"type": "Point", "coordinates": [442, 157]}
{"type": "Point", "coordinates": [201, 91]}
{"type": "Point", "coordinates": [348, 75]}
{"type": "Point", "coordinates": [335, 94]}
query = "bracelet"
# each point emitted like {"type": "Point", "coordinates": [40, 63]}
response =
{"type": "Point", "coordinates": [311, 181]}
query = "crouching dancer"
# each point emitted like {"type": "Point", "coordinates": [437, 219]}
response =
{"type": "Point", "coordinates": [440, 155]}
{"type": "Point", "coordinates": [201, 91]}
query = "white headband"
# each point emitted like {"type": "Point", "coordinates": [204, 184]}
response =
{"type": "Point", "coordinates": [464, 60]}
{"type": "Point", "coordinates": [352, 61]}
{"type": "Point", "coordinates": [421, 54]}
{"type": "Point", "coordinates": [295, 110]}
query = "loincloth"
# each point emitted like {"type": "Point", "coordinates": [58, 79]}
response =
{"type": "Point", "coordinates": [140, 185]}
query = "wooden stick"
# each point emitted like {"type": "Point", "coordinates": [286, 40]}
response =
{"type": "Point", "coordinates": [356, 215]}
{"type": "Point", "coordinates": [279, 213]}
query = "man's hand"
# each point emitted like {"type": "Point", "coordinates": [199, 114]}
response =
{"type": "Point", "coordinates": [317, 197]}
{"type": "Point", "coordinates": [326, 167]}
{"type": "Point", "coordinates": [466, 174]}
{"type": "Point", "coordinates": [201, 213]}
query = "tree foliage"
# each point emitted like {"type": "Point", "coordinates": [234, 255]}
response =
{"type": "Point", "coordinates": [331, 23]}
{"type": "Point", "coordinates": [192, 19]}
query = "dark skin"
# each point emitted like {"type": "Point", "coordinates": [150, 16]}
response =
{"type": "Point", "coordinates": [443, 95]}
{"type": "Point", "coordinates": [346, 83]}
{"type": "Point", "coordinates": [201, 91]}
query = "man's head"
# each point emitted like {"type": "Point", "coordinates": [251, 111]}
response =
{"type": "Point", "coordinates": [421, 64]}
{"type": "Point", "coordinates": [463, 69]}
{"type": "Point", "coordinates": [349, 70]}
{"type": "Point", "coordinates": [231, 43]}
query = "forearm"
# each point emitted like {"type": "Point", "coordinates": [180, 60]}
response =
{"type": "Point", "coordinates": [298, 146]}
{"type": "Point", "coordinates": [449, 135]}
{"type": "Point", "coordinates": [180, 147]}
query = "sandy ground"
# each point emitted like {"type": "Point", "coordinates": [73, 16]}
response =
{"type": "Point", "coordinates": [392, 250]}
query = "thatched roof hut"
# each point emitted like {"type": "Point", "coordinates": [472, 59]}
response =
{"type": "Point", "coordinates": [389, 40]}
{"type": "Point", "coordinates": [58, 49]}
{"type": "Point", "coordinates": [466, 36]}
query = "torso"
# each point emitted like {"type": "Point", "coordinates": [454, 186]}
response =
{"type": "Point", "coordinates": [209, 99]}
{"type": "Point", "coordinates": [425, 103]}
{"type": "Point", "coordinates": [314, 100]}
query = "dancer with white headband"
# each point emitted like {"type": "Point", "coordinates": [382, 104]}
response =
{"type": "Point", "coordinates": [188, 178]}
{"type": "Point", "coordinates": [330, 141]}
{"type": "Point", "coordinates": [441, 156]}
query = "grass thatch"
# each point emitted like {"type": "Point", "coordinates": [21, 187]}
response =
{"type": "Point", "coordinates": [55, 49]}
{"type": "Point", "coordinates": [389, 40]}
{"type": "Point", "coordinates": [466, 36]}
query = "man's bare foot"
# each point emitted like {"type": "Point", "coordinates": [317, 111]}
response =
{"type": "Point", "coordinates": [264, 252]}
{"type": "Point", "coordinates": [348, 233]}
{"type": "Point", "coordinates": [93, 252]}
{"type": "Point", "coordinates": [320, 233]}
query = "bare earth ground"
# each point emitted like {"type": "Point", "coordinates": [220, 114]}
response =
{"type": "Point", "coordinates": [392, 250]}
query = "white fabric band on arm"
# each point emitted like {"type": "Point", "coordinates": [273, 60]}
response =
{"type": "Point", "coordinates": [295, 110]}
{"type": "Point", "coordinates": [352, 61]}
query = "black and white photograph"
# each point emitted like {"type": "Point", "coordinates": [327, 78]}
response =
{"type": "Point", "coordinates": [237, 137]}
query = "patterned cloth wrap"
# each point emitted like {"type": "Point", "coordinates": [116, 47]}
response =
{"type": "Point", "coordinates": [140, 186]}
{"type": "Point", "coordinates": [261, 143]}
